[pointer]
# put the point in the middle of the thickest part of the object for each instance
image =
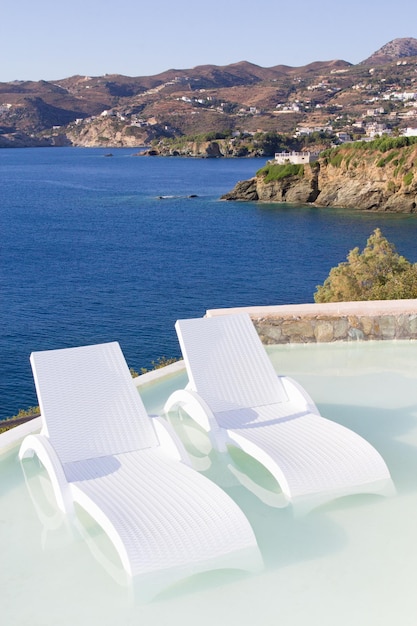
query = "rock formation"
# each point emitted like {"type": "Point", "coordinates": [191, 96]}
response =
{"type": "Point", "coordinates": [202, 149]}
{"type": "Point", "coordinates": [353, 176]}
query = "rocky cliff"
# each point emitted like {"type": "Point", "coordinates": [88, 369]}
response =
{"type": "Point", "coordinates": [372, 177]}
{"type": "Point", "coordinates": [107, 132]}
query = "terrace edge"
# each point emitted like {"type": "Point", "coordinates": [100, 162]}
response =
{"type": "Point", "coordinates": [330, 322]}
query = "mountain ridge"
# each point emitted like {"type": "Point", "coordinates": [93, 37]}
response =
{"type": "Point", "coordinates": [241, 97]}
{"type": "Point", "coordinates": [396, 49]}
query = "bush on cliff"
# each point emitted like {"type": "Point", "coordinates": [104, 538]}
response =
{"type": "Point", "coordinates": [390, 147]}
{"type": "Point", "coordinates": [272, 171]}
{"type": "Point", "coordinates": [376, 273]}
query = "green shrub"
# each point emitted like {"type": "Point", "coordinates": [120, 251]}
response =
{"type": "Point", "coordinates": [383, 144]}
{"type": "Point", "coordinates": [332, 155]}
{"type": "Point", "coordinates": [213, 135]}
{"type": "Point", "coordinates": [336, 160]}
{"type": "Point", "coordinates": [384, 160]}
{"type": "Point", "coordinates": [408, 178]}
{"type": "Point", "coordinates": [272, 171]}
{"type": "Point", "coordinates": [376, 273]}
{"type": "Point", "coordinates": [21, 416]}
{"type": "Point", "coordinates": [161, 361]}
{"type": "Point", "coordinates": [391, 155]}
{"type": "Point", "coordinates": [133, 131]}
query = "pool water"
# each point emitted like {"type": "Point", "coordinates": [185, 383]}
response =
{"type": "Point", "coordinates": [353, 561]}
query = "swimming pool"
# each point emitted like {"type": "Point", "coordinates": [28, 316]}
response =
{"type": "Point", "coordinates": [353, 561]}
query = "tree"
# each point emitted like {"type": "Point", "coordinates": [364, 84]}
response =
{"type": "Point", "coordinates": [270, 142]}
{"type": "Point", "coordinates": [376, 273]}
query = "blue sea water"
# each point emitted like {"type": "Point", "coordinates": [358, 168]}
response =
{"type": "Point", "coordinates": [90, 253]}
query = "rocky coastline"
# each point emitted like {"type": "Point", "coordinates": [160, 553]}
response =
{"type": "Point", "coordinates": [352, 177]}
{"type": "Point", "coordinates": [220, 148]}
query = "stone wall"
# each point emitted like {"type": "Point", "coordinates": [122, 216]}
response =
{"type": "Point", "coordinates": [344, 328]}
{"type": "Point", "coordinates": [336, 321]}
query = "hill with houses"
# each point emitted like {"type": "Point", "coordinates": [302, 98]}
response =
{"type": "Point", "coordinates": [321, 101]}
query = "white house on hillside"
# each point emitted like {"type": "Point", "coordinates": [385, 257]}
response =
{"type": "Point", "coordinates": [296, 158]}
{"type": "Point", "coordinates": [343, 137]}
{"type": "Point", "coordinates": [410, 132]}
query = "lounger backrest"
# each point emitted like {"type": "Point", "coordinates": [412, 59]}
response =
{"type": "Point", "coordinates": [227, 363]}
{"type": "Point", "coordinates": [89, 404]}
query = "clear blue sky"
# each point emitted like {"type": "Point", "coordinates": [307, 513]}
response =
{"type": "Point", "coordinates": [51, 39]}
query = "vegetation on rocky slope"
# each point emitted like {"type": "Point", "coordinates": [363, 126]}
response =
{"type": "Point", "coordinates": [260, 144]}
{"type": "Point", "coordinates": [375, 176]}
{"type": "Point", "coordinates": [275, 171]}
{"type": "Point", "coordinates": [390, 147]}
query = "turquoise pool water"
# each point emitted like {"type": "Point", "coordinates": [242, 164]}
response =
{"type": "Point", "coordinates": [353, 561]}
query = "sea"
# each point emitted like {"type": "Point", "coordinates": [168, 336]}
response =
{"type": "Point", "coordinates": [98, 247]}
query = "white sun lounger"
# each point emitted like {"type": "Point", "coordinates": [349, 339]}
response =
{"type": "Point", "coordinates": [103, 452]}
{"type": "Point", "coordinates": [236, 396]}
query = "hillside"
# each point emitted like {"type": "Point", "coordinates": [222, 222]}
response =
{"type": "Point", "coordinates": [243, 98]}
{"type": "Point", "coordinates": [376, 176]}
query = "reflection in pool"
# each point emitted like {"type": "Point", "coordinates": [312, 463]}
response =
{"type": "Point", "coordinates": [351, 561]}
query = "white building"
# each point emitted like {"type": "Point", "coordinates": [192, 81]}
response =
{"type": "Point", "coordinates": [375, 129]}
{"type": "Point", "coordinates": [296, 158]}
{"type": "Point", "coordinates": [374, 112]}
{"type": "Point", "coordinates": [404, 96]}
{"type": "Point", "coordinates": [343, 137]}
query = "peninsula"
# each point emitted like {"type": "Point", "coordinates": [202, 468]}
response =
{"type": "Point", "coordinates": [380, 175]}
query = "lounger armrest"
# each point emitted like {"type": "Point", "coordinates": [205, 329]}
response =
{"type": "Point", "coordinates": [170, 443]}
{"type": "Point", "coordinates": [200, 412]}
{"type": "Point", "coordinates": [40, 445]}
{"type": "Point", "coordinates": [195, 406]}
{"type": "Point", "coordinates": [296, 392]}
